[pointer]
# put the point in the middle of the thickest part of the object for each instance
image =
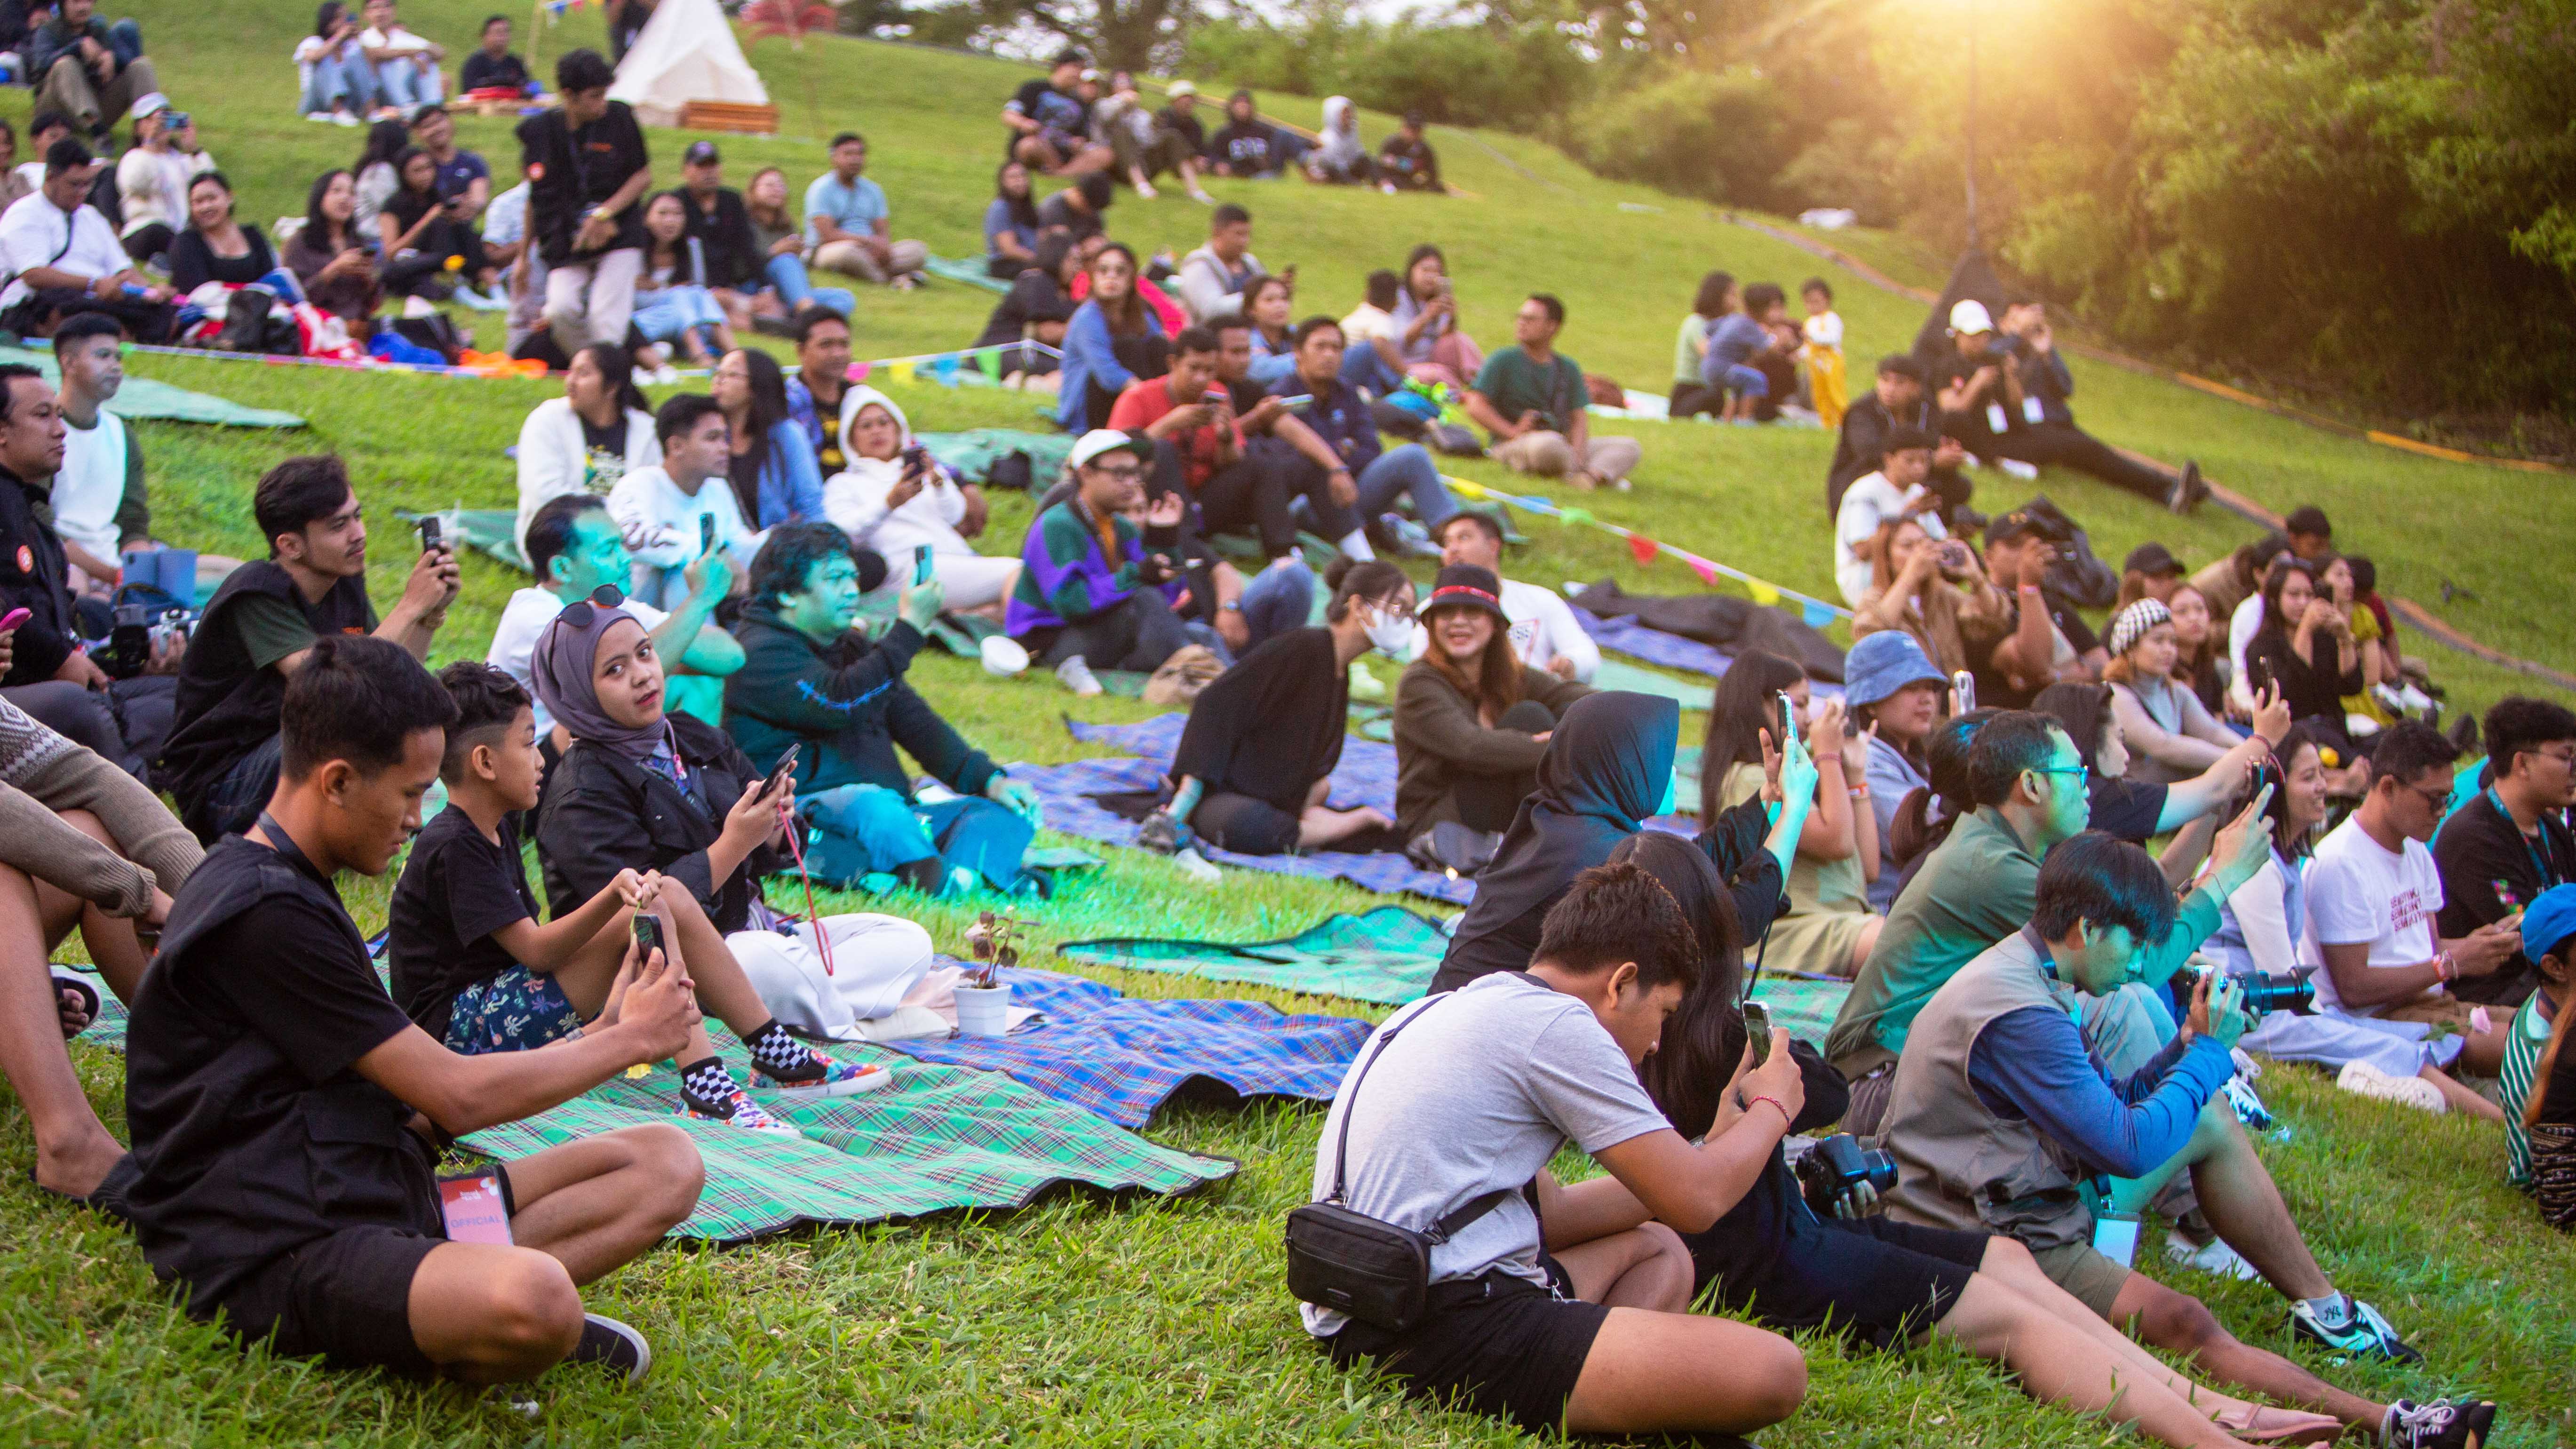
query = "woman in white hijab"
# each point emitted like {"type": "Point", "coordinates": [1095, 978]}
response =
{"type": "Point", "coordinates": [1339, 158]}
{"type": "Point", "coordinates": [892, 506]}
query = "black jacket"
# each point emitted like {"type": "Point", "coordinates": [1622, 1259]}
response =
{"type": "Point", "coordinates": [227, 704]}
{"type": "Point", "coordinates": [1863, 443]}
{"type": "Point", "coordinates": [847, 704]}
{"type": "Point", "coordinates": [604, 813]}
{"type": "Point", "coordinates": [733, 255]}
{"type": "Point", "coordinates": [34, 575]}
{"type": "Point", "coordinates": [572, 171]}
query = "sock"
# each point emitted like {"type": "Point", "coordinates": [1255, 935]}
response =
{"type": "Point", "coordinates": [706, 1086]}
{"type": "Point", "coordinates": [780, 1057]}
{"type": "Point", "coordinates": [2331, 1310]}
{"type": "Point", "coordinates": [1355, 546]}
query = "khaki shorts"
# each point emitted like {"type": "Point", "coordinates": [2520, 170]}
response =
{"type": "Point", "coordinates": [2442, 1010]}
{"type": "Point", "coordinates": [2095, 1280]}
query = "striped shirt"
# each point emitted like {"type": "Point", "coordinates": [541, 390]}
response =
{"type": "Point", "coordinates": [2522, 1048]}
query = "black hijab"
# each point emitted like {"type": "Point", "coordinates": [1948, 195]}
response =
{"type": "Point", "coordinates": [1273, 725]}
{"type": "Point", "coordinates": [1605, 771]}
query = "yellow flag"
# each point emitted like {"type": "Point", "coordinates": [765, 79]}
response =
{"type": "Point", "coordinates": [902, 371]}
{"type": "Point", "coordinates": [1763, 593]}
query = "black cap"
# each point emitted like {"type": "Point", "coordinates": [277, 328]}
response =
{"type": "Point", "coordinates": [2154, 560]}
{"type": "Point", "coordinates": [1466, 586]}
{"type": "Point", "coordinates": [2309, 520]}
{"type": "Point", "coordinates": [2010, 526]}
{"type": "Point", "coordinates": [700, 153]}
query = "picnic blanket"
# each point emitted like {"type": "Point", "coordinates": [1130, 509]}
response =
{"type": "Point", "coordinates": [1620, 674]}
{"type": "Point", "coordinates": [141, 397]}
{"type": "Point", "coordinates": [970, 271]}
{"type": "Point", "coordinates": [1726, 624]}
{"type": "Point", "coordinates": [1123, 1057]}
{"type": "Point", "coordinates": [1654, 646]}
{"type": "Point", "coordinates": [938, 1137]}
{"type": "Point", "coordinates": [970, 455]}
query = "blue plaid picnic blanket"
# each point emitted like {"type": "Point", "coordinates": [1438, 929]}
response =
{"type": "Point", "coordinates": [1123, 1057]}
{"type": "Point", "coordinates": [1672, 651]}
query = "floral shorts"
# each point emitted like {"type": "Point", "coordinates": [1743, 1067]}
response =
{"type": "Point", "coordinates": [516, 1011]}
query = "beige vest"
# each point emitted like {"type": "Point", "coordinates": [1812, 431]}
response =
{"type": "Point", "coordinates": [1958, 1164]}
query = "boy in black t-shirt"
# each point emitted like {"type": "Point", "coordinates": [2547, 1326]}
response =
{"type": "Point", "coordinates": [287, 1117]}
{"type": "Point", "coordinates": [471, 965]}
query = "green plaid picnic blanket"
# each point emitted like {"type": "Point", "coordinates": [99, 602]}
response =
{"type": "Point", "coordinates": [937, 1137]}
{"type": "Point", "coordinates": [1386, 956]}
{"type": "Point", "coordinates": [1637, 679]}
{"type": "Point", "coordinates": [1802, 1006]}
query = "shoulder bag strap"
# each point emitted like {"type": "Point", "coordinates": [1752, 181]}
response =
{"type": "Point", "coordinates": [1468, 1212]}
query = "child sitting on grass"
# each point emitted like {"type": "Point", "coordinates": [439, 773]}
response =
{"type": "Point", "coordinates": [2538, 1084]}
{"type": "Point", "coordinates": [473, 967]}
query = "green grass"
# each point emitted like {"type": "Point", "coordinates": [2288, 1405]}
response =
{"type": "Point", "coordinates": [1085, 1321]}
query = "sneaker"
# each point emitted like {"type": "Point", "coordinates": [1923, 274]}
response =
{"type": "Point", "coordinates": [344, 118]}
{"type": "Point", "coordinates": [320, 118]}
{"type": "Point", "coordinates": [1161, 834]}
{"type": "Point", "coordinates": [768, 326]}
{"type": "Point", "coordinates": [1194, 865]}
{"type": "Point", "coordinates": [614, 1346]}
{"type": "Point", "coordinates": [2362, 1079]}
{"type": "Point", "coordinates": [2016, 468]}
{"type": "Point", "coordinates": [1409, 537]}
{"type": "Point", "coordinates": [740, 1111]}
{"type": "Point", "coordinates": [2188, 489]}
{"type": "Point", "coordinates": [2249, 1108]}
{"type": "Point", "coordinates": [831, 1079]}
{"type": "Point", "coordinates": [1075, 672]}
{"type": "Point", "coordinates": [2460, 1423]}
{"type": "Point", "coordinates": [2215, 1258]}
{"type": "Point", "coordinates": [2360, 1331]}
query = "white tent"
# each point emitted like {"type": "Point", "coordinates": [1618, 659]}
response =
{"type": "Point", "coordinates": [686, 53]}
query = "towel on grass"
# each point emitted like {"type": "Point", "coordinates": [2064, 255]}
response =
{"type": "Point", "coordinates": [141, 397]}
{"type": "Point", "coordinates": [937, 1137]}
{"type": "Point", "coordinates": [1123, 1057]}
{"type": "Point", "coordinates": [970, 271]}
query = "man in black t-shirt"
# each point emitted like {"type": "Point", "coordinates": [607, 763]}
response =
{"type": "Point", "coordinates": [720, 222]}
{"type": "Point", "coordinates": [2005, 398]}
{"type": "Point", "coordinates": [1895, 400]}
{"type": "Point", "coordinates": [221, 758]}
{"type": "Point", "coordinates": [493, 67]}
{"type": "Point", "coordinates": [2044, 639]}
{"type": "Point", "coordinates": [287, 1117]}
{"type": "Point", "coordinates": [1049, 126]}
{"type": "Point", "coordinates": [588, 171]}
{"type": "Point", "coordinates": [2498, 852]}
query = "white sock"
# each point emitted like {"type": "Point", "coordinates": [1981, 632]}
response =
{"type": "Point", "coordinates": [1355, 546]}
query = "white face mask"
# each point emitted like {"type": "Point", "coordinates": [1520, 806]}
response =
{"type": "Point", "coordinates": [1388, 634]}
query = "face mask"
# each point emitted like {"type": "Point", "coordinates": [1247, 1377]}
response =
{"type": "Point", "coordinates": [1388, 634]}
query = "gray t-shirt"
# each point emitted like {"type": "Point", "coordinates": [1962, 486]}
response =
{"type": "Point", "coordinates": [1478, 1096]}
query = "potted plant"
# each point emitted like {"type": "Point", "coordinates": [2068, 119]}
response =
{"type": "Point", "coordinates": [983, 997]}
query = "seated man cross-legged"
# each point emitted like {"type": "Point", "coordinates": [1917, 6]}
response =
{"type": "Point", "coordinates": [288, 1117]}
{"type": "Point", "coordinates": [1090, 591]}
{"type": "Point", "coordinates": [814, 682]}
{"type": "Point", "coordinates": [2002, 1119]}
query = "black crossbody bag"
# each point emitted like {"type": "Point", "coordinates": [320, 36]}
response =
{"type": "Point", "coordinates": [1352, 1263]}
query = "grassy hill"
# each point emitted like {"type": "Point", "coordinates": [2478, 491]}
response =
{"type": "Point", "coordinates": [1079, 1322]}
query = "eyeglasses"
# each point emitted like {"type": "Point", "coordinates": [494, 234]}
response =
{"type": "Point", "coordinates": [2077, 770]}
{"type": "Point", "coordinates": [580, 612]}
{"type": "Point", "coordinates": [2436, 799]}
{"type": "Point", "coordinates": [1124, 473]}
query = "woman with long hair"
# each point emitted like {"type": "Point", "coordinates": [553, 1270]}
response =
{"type": "Point", "coordinates": [2337, 583]}
{"type": "Point", "coordinates": [1426, 322]}
{"type": "Point", "coordinates": [331, 259]}
{"type": "Point", "coordinates": [600, 430]}
{"type": "Point", "coordinates": [2304, 650]}
{"type": "Point", "coordinates": [672, 299]}
{"type": "Point", "coordinates": [1267, 303]}
{"type": "Point", "coordinates": [1897, 697]}
{"type": "Point", "coordinates": [1829, 927]}
{"type": "Point", "coordinates": [1471, 720]}
{"type": "Point", "coordinates": [1113, 340]}
{"type": "Point", "coordinates": [216, 247]}
{"type": "Point", "coordinates": [1010, 223]}
{"type": "Point", "coordinates": [378, 177]}
{"type": "Point", "coordinates": [2198, 648]}
{"type": "Point", "coordinates": [1691, 394]}
{"type": "Point", "coordinates": [1936, 592]}
{"type": "Point", "coordinates": [775, 478]}
{"type": "Point", "coordinates": [779, 238]}
{"type": "Point", "coordinates": [2171, 735]}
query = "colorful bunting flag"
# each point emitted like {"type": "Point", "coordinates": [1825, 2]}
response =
{"type": "Point", "coordinates": [859, 371]}
{"type": "Point", "coordinates": [1763, 594]}
{"type": "Point", "coordinates": [944, 367]}
{"type": "Point", "coordinates": [989, 362]}
{"type": "Point", "coordinates": [1643, 547]}
{"type": "Point", "coordinates": [1572, 516]}
{"type": "Point", "coordinates": [1817, 615]}
{"type": "Point", "coordinates": [1707, 571]}
{"type": "Point", "coordinates": [903, 371]}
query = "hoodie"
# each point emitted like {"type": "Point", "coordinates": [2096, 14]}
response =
{"type": "Point", "coordinates": [848, 705]}
{"type": "Point", "coordinates": [855, 498]}
{"type": "Point", "coordinates": [1338, 145]}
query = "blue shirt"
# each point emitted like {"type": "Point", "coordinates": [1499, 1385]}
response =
{"type": "Point", "coordinates": [2034, 1064]}
{"type": "Point", "coordinates": [997, 220]}
{"type": "Point", "coordinates": [1089, 358]}
{"type": "Point", "coordinates": [1731, 339]}
{"type": "Point", "coordinates": [790, 484]}
{"type": "Point", "coordinates": [459, 172]}
{"type": "Point", "coordinates": [1341, 418]}
{"type": "Point", "coordinates": [858, 207]}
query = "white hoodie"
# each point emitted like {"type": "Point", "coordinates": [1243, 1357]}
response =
{"type": "Point", "coordinates": [855, 498]}
{"type": "Point", "coordinates": [553, 460]}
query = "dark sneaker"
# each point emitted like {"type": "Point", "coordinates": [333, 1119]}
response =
{"type": "Point", "coordinates": [2460, 1423]}
{"type": "Point", "coordinates": [1160, 834]}
{"type": "Point", "coordinates": [825, 1077]}
{"type": "Point", "coordinates": [2188, 489]}
{"type": "Point", "coordinates": [615, 1347]}
{"type": "Point", "coordinates": [2357, 1330]}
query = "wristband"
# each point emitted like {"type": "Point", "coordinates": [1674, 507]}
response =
{"type": "Point", "coordinates": [1858, 793]}
{"type": "Point", "coordinates": [1785, 1117]}
{"type": "Point", "coordinates": [2446, 968]}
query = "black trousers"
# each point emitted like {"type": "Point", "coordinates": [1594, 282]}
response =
{"type": "Point", "coordinates": [2070, 446]}
{"type": "Point", "coordinates": [1305, 478]}
{"type": "Point", "coordinates": [1247, 496]}
{"type": "Point", "coordinates": [1137, 635]}
{"type": "Point", "coordinates": [44, 308]}
{"type": "Point", "coordinates": [1488, 802]}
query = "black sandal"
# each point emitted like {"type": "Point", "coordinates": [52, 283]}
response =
{"type": "Point", "coordinates": [91, 1005]}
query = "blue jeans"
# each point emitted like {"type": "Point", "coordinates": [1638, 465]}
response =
{"type": "Point", "coordinates": [1743, 381]}
{"type": "Point", "coordinates": [406, 82]}
{"type": "Point", "coordinates": [1363, 368]}
{"type": "Point", "coordinates": [1405, 469]}
{"type": "Point", "coordinates": [787, 274]}
{"type": "Point", "coordinates": [861, 829]}
{"type": "Point", "coordinates": [1277, 600]}
{"type": "Point", "coordinates": [336, 85]}
{"type": "Point", "coordinates": [665, 314]}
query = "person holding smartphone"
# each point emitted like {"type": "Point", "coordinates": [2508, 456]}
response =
{"type": "Point", "coordinates": [892, 497]}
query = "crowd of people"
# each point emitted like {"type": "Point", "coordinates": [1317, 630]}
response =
{"type": "Point", "coordinates": [2046, 1026]}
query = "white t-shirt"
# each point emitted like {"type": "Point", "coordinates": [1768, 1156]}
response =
{"type": "Point", "coordinates": [399, 40]}
{"type": "Point", "coordinates": [1825, 329]}
{"type": "Point", "coordinates": [1496, 1077]}
{"type": "Point", "coordinates": [661, 527]}
{"type": "Point", "coordinates": [1368, 323]}
{"type": "Point", "coordinates": [2358, 890]}
{"type": "Point", "coordinates": [505, 220]}
{"type": "Point", "coordinates": [1870, 501]}
{"type": "Point", "coordinates": [90, 486]}
{"type": "Point", "coordinates": [1542, 629]}
{"type": "Point", "coordinates": [514, 644]}
{"type": "Point", "coordinates": [2242, 626]}
{"type": "Point", "coordinates": [35, 233]}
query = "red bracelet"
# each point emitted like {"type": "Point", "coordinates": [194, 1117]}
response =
{"type": "Point", "coordinates": [1785, 1117]}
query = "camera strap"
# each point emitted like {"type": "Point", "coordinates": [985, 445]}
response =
{"type": "Point", "coordinates": [1467, 1212]}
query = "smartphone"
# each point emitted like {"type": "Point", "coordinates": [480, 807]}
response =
{"type": "Point", "coordinates": [472, 1206]}
{"type": "Point", "coordinates": [429, 535]}
{"type": "Point", "coordinates": [1298, 403]}
{"type": "Point", "coordinates": [1964, 685]}
{"type": "Point", "coordinates": [921, 564]}
{"type": "Point", "coordinates": [783, 777]}
{"type": "Point", "coordinates": [648, 937]}
{"type": "Point", "coordinates": [916, 460]}
{"type": "Point", "coordinates": [706, 533]}
{"type": "Point", "coordinates": [1788, 718]}
{"type": "Point", "coordinates": [1757, 1028]}
{"type": "Point", "coordinates": [10, 621]}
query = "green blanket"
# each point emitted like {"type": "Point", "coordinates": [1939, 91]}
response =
{"type": "Point", "coordinates": [1637, 679]}
{"type": "Point", "coordinates": [936, 1138]}
{"type": "Point", "coordinates": [971, 272]}
{"type": "Point", "coordinates": [141, 397]}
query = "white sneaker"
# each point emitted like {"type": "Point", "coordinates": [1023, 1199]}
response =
{"type": "Point", "coordinates": [346, 119]}
{"type": "Point", "coordinates": [2217, 1258]}
{"type": "Point", "coordinates": [1190, 863]}
{"type": "Point", "coordinates": [320, 118]}
{"type": "Point", "coordinates": [2362, 1079]}
{"type": "Point", "coordinates": [1075, 672]}
{"type": "Point", "coordinates": [2016, 468]}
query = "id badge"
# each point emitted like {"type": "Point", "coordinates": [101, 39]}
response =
{"type": "Point", "coordinates": [2115, 1236]}
{"type": "Point", "coordinates": [2032, 411]}
{"type": "Point", "coordinates": [1995, 420]}
{"type": "Point", "coordinates": [472, 1206]}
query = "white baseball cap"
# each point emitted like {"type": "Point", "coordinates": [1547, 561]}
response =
{"type": "Point", "coordinates": [1099, 441]}
{"type": "Point", "coordinates": [1968, 317]}
{"type": "Point", "coordinates": [1180, 88]}
{"type": "Point", "coordinates": [151, 103]}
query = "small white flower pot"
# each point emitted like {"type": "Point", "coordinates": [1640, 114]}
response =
{"type": "Point", "coordinates": [984, 1010]}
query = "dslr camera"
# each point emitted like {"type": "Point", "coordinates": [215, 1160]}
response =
{"type": "Point", "coordinates": [2264, 993]}
{"type": "Point", "coordinates": [1835, 1166]}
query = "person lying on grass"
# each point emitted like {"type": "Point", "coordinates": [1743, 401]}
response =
{"type": "Point", "coordinates": [1571, 1313]}
{"type": "Point", "coordinates": [288, 1117]}
{"type": "Point", "coordinates": [2001, 1112]}
{"type": "Point", "coordinates": [473, 967]}
{"type": "Point", "coordinates": [1878, 1281]}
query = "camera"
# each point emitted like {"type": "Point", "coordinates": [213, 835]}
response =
{"type": "Point", "coordinates": [1835, 1166]}
{"type": "Point", "coordinates": [2264, 993]}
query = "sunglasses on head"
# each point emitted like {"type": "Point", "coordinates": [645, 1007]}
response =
{"type": "Point", "coordinates": [580, 612]}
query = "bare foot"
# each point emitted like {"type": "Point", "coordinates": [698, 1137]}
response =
{"type": "Point", "coordinates": [76, 1170]}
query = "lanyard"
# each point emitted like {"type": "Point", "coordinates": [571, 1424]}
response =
{"type": "Point", "coordinates": [284, 844]}
{"type": "Point", "coordinates": [2540, 855]}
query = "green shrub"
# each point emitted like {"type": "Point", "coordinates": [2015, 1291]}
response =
{"type": "Point", "coordinates": [1716, 136]}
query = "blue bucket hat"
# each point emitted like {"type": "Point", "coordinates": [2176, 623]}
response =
{"type": "Point", "coordinates": [2548, 921]}
{"type": "Point", "coordinates": [1883, 663]}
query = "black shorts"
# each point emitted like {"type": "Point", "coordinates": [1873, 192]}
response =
{"type": "Point", "coordinates": [1876, 1279]}
{"type": "Point", "coordinates": [1496, 1345]}
{"type": "Point", "coordinates": [345, 1298]}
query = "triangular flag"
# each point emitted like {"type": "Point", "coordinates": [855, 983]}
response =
{"type": "Point", "coordinates": [944, 367]}
{"type": "Point", "coordinates": [859, 371]}
{"type": "Point", "coordinates": [1818, 616]}
{"type": "Point", "coordinates": [1466, 486]}
{"type": "Point", "coordinates": [1762, 593]}
{"type": "Point", "coordinates": [1707, 571]}
{"type": "Point", "coordinates": [990, 364]}
{"type": "Point", "coordinates": [1643, 547]}
{"type": "Point", "coordinates": [1572, 516]}
{"type": "Point", "coordinates": [903, 371]}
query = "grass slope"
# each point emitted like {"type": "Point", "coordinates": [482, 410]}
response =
{"type": "Point", "coordinates": [1084, 1322]}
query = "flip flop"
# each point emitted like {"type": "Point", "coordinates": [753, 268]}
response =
{"type": "Point", "coordinates": [90, 1003]}
{"type": "Point", "coordinates": [2271, 1425]}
